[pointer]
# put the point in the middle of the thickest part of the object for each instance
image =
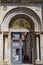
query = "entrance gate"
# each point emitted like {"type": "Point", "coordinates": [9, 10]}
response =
{"type": "Point", "coordinates": [16, 48]}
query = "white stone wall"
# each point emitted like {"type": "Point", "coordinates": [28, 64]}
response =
{"type": "Point", "coordinates": [1, 46]}
{"type": "Point", "coordinates": [3, 12]}
{"type": "Point", "coordinates": [41, 43]}
{"type": "Point", "coordinates": [35, 8]}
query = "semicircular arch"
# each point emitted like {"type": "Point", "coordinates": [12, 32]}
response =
{"type": "Point", "coordinates": [23, 10]}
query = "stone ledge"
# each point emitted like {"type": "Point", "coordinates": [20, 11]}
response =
{"type": "Point", "coordinates": [39, 62]}
{"type": "Point", "coordinates": [9, 63]}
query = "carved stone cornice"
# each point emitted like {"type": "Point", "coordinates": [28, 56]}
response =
{"type": "Point", "coordinates": [22, 1]}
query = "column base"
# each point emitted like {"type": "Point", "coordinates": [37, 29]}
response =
{"type": "Point", "coordinates": [37, 60]}
{"type": "Point", "coordinates": [6, 60]}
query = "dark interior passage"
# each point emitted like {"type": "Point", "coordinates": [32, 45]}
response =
{"type": "Point", "coordinates": [26, 49]}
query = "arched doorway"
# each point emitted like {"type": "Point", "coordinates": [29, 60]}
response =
{"type": "Point", "coordinates": [21, 27]}
{"type": "Point", "coordinates": [22, 14]}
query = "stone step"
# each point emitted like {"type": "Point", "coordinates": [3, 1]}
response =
{"type": "Point", "coordinates": [6, 63]}
{"type": "Point", "coordinates": [23, 64]}
{"type": "Point", "coordinates": [27, 64]}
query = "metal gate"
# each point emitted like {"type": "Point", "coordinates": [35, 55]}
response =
{"type": "Point", "coordinates": [16, 48]}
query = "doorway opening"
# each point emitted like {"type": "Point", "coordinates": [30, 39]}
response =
{"type": "Point", "coordinates": [21, 27]}
{"type": "Point", "coordinates": [21, 52]}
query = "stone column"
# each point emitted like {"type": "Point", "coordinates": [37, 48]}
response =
{"type": "Point", "coordinates": [6, 42]}
{"type": "Point", "coordinates": [37, 43]}
{"type": "Point", "coordinates": [33, 48]}
{"type": "Point", "coordinates": [9, 46]}
{"type": "Point", "coordinates": [1, 46]}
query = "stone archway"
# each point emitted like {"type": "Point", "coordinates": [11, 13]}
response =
{"type": "Point", "coordinates": [24, 13]}
{"type": "Point", "coordinates": [21, 10]}
{"type": "Point", "coordinates": [31, 31]}
{"type": "Point", "coordinates": [26, 21]}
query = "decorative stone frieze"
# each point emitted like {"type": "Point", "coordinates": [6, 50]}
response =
{"type": "Point", "coordinates": [23, 1]}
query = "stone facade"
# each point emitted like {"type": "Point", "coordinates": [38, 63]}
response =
{"type": "Point", "coordinates": [35, 13]}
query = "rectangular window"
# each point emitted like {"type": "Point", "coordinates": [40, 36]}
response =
{"type": "Point", "coordinates": [15, 36]}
